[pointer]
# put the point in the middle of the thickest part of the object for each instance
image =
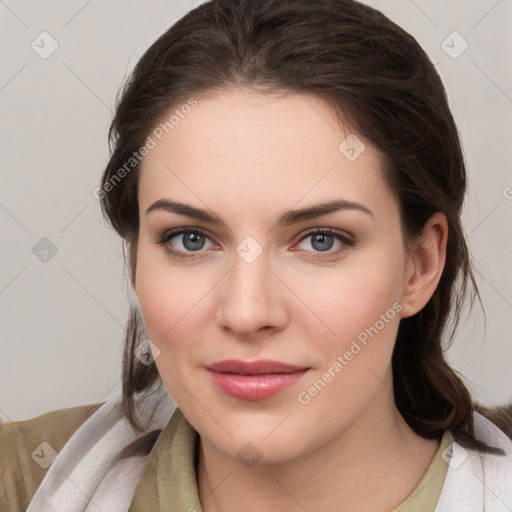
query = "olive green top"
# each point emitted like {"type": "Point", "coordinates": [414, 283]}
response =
{"type": "Point", "coordinates": [168, 481]}
{"type": "Point", "coordinates": [24, 460]}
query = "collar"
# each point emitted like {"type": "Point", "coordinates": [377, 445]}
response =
{"type": "Point", "coordinates": [88, 455]}
{"type": "Point", "coordinates": [478, 481]}
{"type": "Point", "coordinates": [474, 481]}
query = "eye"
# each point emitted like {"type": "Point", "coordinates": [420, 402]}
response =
{"type": "Point", "coordinates": [322, 240]}
{"type": "Point", "coordinates": [187, 241]}
{"type": "Point", "coordinates": [190, 242]}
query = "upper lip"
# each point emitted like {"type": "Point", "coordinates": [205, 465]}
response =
{"type": "Point", "coordinates": [263, 366]}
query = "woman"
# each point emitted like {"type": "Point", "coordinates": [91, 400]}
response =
{"type": "Point", "coordinates": [288, 180]}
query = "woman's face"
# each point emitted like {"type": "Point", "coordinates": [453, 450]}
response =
{"type": "Point", "coordinates": [257, 285]}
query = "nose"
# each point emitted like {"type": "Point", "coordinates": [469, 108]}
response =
{"type": "Point", "coordinates": [253, 298]}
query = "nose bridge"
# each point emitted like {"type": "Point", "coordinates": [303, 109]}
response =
{"type": "Point", "coordinates": [250, 298]}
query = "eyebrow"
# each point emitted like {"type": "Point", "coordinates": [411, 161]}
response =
{"type": "Point", "coordinates": [287, 218]}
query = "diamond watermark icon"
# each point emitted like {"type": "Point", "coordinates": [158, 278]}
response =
{"type": "Point", "coordinates": [249, 455]}
{"type": "Point", "coordinates": [44, 455]}
{"type": "Point", "coordinates": [44, 249]}
{"type": "Point", "coordinates": [454, 45]}
{"type": "Point", "coordinates": [249, 249]}
{"type": "Point", "coordinates": [147, 352]}
{"type": "Point", "coordinates": [454, 455]}
{"type": "Point", "coordinates": [352, 147]}
{"type": "Point", "coordinates": [44, 45]}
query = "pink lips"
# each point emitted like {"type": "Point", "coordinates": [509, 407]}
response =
{"type": "Point", "coordinates": [255, 380]}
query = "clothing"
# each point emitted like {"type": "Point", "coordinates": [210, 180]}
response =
{"type": "Point", "coordinates": [180, 492]}
{"type": "Point", "coordinates": [20, 475]}
{"type": "Point", "coordinates": [166, 478]}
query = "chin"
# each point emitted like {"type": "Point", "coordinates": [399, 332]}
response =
{"type": "Point", "coordinates": [261, 438]}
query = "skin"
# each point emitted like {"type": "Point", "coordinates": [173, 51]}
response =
{"type": "Point", "coordinates": [247, 157]}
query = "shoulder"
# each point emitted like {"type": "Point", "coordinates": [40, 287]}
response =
{"type": "Point", "coordinates": [479, 479]}
{"type": "Point", "coordinates": [500, 416]}
{"type": "Point", "coordinates": [28, 449]}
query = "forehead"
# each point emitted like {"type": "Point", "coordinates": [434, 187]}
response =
{"type": "Point", "coordinates": [240, 148]}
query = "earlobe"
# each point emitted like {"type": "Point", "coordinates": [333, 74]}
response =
{"type": "Point", "coordinates": [427, 260]}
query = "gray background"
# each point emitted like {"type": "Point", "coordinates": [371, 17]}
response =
{"type": "Point", "coordinates": [61, 319]}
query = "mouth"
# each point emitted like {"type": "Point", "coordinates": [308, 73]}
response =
{"type": "Point", "coordinates": [254, 380]}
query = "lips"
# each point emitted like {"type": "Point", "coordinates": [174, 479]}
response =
{"type": "Point", "coordinates": [261, 367]}
{"type": "Point", "coordinates": [254, 380]}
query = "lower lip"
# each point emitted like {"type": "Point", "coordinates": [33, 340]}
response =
{"type": "Point", "coordinates": [254, 387]}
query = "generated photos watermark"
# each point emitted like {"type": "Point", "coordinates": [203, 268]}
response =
{"type": "Point", "coordinates": [156, 136]}
{"type": "Point", "coordinates": [305, 397]}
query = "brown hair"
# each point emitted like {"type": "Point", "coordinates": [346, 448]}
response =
{"type": "Point", "coordinates": [379, 78]}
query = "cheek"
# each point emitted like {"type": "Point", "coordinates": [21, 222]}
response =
{"type": "Point", "coordinates": [158, 293]}
{"type": "Point", "coordinates": [355, 361]}
{"type": "Point", "coordinates": [172, 301]}
{"type": "Point", "coordinates": [360, 312]}
{"type": "Point", "coordinates": [167, 303]}
{"type": "Point", "coordinates": [353, 299]}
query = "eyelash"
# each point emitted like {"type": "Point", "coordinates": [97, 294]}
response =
{"type": "Point", "coordinates": [164, 238]}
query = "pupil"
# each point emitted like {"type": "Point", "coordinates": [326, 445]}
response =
{"type": "Point", "coordinates": [193, 241]}
{"type": "Point", "coordinates": [323, 246]}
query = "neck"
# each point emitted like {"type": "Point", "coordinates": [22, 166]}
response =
{"type": "Point", "coordinates": [374, 464]}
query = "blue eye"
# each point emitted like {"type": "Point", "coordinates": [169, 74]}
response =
{"type": "Point", "coordinates": [322, 240]}
{"type": "Point", "coordinates": [193, 241]}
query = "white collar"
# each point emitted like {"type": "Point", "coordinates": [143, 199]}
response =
{"type": "Point", "coordinates": [476, 481]}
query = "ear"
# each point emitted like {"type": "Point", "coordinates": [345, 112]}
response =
{"type": "Point", "coordinates": [425, 264]}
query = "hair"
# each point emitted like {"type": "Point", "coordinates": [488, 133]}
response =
{"type": "Point", "coordinates": [379, 81]}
